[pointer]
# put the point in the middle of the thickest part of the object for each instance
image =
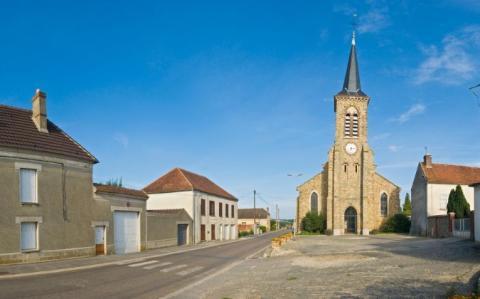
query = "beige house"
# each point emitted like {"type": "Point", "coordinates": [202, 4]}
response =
{"type": "Point", "coordinates": [349, 191]}
{"type": "Point", "coordinates": [46, 180]}
{"type": "Point", "coordinates": [119, 219]}
{"type": "Point", "coordinates": [246, 219]}
{"type": "Point", "coordinates": [169, 228]}
{"type": "Point", "coordinates": [431, 187]}
{"type": "Point", "coordinates": [212, 209]}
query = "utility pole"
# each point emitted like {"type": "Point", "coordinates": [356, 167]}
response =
{"type": "Point", "coordinates": [277, 212]}
{"type": "Point", "coordinates": [254, 212]}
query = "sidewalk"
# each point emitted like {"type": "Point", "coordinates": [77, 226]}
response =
{"type": "Point", "coordinates": [74, 264]}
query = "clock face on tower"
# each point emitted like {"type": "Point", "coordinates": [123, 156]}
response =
{"type": "Point", "coordinates": [351, 148]}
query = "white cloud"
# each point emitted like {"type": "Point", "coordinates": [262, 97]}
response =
{"type": "Point", "coordinates": [380, 136]}
{"type": "Point", "coordinates": [453, 62]}
{"type": "Point", "coordinates": [411, 112]}
{"type": "Point", "coordinates": [393, 148]}
{"type": "Point", "coordinates": [373, 21]}
{"type": "Point", "coordinates": [122, 139]}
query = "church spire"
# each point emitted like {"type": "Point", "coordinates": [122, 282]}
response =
{"type": "Point", "coordinates": [351, 85]}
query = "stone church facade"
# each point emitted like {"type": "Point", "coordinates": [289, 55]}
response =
{"type": "Point", "coordinates": [350, 193]}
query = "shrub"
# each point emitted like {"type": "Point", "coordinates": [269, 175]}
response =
{"type": "Point", "coordinates": [313, 223]}
{"type": "Point", "coordinates": [245, 233]}
{"type": "Point", "coordinates": [398, 223]}
{"type": "Point", "coordinates": [263, 228]}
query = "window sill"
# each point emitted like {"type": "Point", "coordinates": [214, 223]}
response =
{"type": "Point", "coordinates": [31, 251]}
{"type": "Point", "coordinates": [29, 203]}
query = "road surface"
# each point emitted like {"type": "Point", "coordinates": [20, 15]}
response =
{"type": "Point", "coordinates": [148, 278]}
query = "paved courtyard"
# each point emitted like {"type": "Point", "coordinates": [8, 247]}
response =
{"type": "Point", "coordinates": [352, 266]}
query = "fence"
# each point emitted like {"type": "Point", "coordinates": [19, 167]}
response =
{"type": "Point", "coordinates": [461, 228]}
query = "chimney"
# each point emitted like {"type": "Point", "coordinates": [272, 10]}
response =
{"type": "Point", "coordinates": [427, 160]}
{"type": "Point", "coordinates": [39, 110]}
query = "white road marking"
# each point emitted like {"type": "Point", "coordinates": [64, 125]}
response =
{"type": "Point", "coordinates": [130, 261]}
{"type": "Point", "coordinates": [191, 270]}
{"type": "Point", "coordinates": [173, 268]}
{"type": "Point", "coordinates": [143, 264]}
{"type": "Point", "coordinates": [156, 266]}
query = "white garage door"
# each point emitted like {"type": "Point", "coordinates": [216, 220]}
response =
{"type": "Point", "coordinates": [127, 232]}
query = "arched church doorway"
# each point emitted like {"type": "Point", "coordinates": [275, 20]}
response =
{"type": "Point", "coordinates": [350, 220]}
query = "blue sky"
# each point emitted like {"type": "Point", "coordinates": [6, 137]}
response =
{"type": "Point", "coordinates": [242, 92]}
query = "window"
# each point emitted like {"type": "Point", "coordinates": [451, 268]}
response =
{"type": "Point", "coordinates": [356, 167]}
{"type": "Point", "coordinates": [211, 208]}
{"type": "Point", "coordinates": [28, 236]}
{"type": "Point", "coordinates": [220, 209]}
{"type": "Point", "coordinates": [28, 185]}
{"type": "Point", "coordinates": [345, 167]}
{"type": "Point", "coordinates": [384, 204]}
{"type": "Point", "coordinates": [350, 128]}
{"type": "Point", "coordinates": [233, 211]}
{"type": "Point", "coordinates": [226, 210]}
{"type": "Point", "coordinates": [202, 208]}
{"type": "Point", "coordinates": [314, 203]}
{"type": "Point", "coordinates": [443, 201]}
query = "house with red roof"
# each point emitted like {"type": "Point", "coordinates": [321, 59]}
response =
{"type": "Point", "coordinates": [431, 187]}
{"type": "Point", "coordinates": [213, 210]}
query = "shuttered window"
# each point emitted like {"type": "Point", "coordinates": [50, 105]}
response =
{"type": "Point", "coordinates": [28, 236]}
{"type": "Point", "coordinates": [28, 185]}
{"type": "Point", "coordinates": [226, 210]}
{"type": "Point", "coordinates": [220, 209]}
{"type": "Point", "coordinates": [233, 211]}
{"type": "Point", "coordinates": [202, 208]}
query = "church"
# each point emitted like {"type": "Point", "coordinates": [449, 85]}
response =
{"type": "Point", "coordinates": [349, 192]}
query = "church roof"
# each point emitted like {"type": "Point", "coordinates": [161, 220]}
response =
{"type": "Point", "coordinates": [351, 84]}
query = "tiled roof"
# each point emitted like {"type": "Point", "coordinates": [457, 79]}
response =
{"type": "Point", "coordinates": [451, 174]}
{"type": "Point", "coordinates": [178, 179]}
{"type": "Point", "coordinates": [250, 214]}
{"type": "Point", "coordinates": [109, 189]}
{"type": "Point", "coordinates": [18, 131]}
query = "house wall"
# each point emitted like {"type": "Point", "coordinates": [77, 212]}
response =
{"type": "Point", "coordinates": [63, 211]}
{"type": "Point", "coordinates": [102, 214]}
{"type": "Point", "coordinates": [419, 204]}
{"type": "Point", "coordinates": [191, 202]}
{"type": "Point", "coordinates": [477, 213]}
{"type": "Point", "coordinates": [163, 228]}
{"type": "Point", "coordinates": [249, 223]}
{"type": "Point", "coordinates": [436, 191]}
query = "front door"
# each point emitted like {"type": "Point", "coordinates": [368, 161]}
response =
{"type": "Point", "coordinates": [100, 240]}
{"type": "Point", "coordinates": [202, 232]}
{"type": "Point", "coordinates": [213, 231]}
{"type": "Point", "coordinates": [182, 234]}
{"type": "Point", "coordinates": [350, 221]}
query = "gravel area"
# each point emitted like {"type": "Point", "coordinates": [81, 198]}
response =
{"type": "Point", "coordinates": [352, 266]}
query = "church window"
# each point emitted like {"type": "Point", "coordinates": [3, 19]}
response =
{"type": "Point", "coordinates": [314, 203]}
{"type": "Point", "coordinates": [351, 123]}
{"type": "Point", "coordinates": [345, 166]}
{"type": "Point", "coordinates": [356, 167]}
{"type": "Point", "coordinates": [384, 204]}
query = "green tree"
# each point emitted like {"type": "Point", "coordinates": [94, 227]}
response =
{"type": "Point", "coordinates": [115, 182]}
{"type": "Point", "coordinates": [458, 204]}
{"type": "Point", "coordinates": [314, 223]}
{"type": "Point", "coordinates": [407, 205]}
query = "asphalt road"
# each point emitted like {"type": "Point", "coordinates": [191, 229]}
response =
{"type": "Point", "coordinates": [149, 278]}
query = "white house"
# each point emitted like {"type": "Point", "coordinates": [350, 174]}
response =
{"type": "Point", "coordinates": [213, 210]}
{"type": "Point", "coordinates": [476, 220]}
{"type": "Point", "coordinates": [431, 187]}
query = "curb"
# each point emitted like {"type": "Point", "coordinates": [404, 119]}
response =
{"type": "Point", "coordinates": [86, 267]}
